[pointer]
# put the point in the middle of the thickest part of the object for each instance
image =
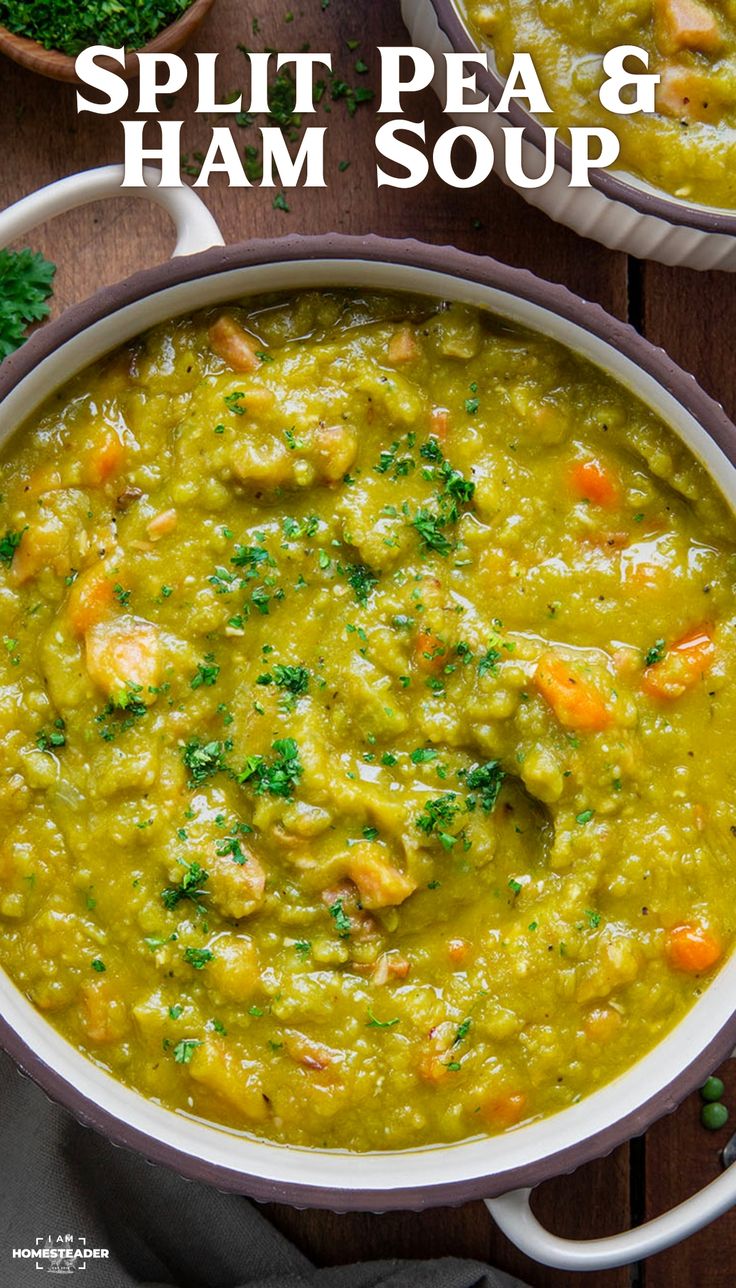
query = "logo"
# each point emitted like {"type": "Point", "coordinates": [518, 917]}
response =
{"type": "Point", "coordinates": [61, 1254]}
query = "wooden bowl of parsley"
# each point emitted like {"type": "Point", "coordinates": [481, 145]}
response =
{"type": "Point", "coordinates": [46, 35]}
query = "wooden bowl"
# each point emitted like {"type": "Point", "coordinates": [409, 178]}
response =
{"type": "Point", "coordinates": [60, 67]}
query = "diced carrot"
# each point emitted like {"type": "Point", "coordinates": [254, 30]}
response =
{"type": "Point", "coordinates": [103, 1015]}
{"type": "Point", "coordinates": [503, 1110]}
{"type": "Point", "coordinates": [686, 24]}
{"type": "Point", "coordinates": [390, 965]}
{"type": "Point", "coordinates": [335, 449]}
{"type": "Point", "coordinates": [688, 94]}
{"type": "Point", "coordinates": [104, 459]}
{"type": "Point", "coordinates": [440, 420]}
{"type": "Point", "coordinates": [593, 481]}
{"type": "Point", "coordinates": [457, 949]}
{"type": "Point", "coordinates": [692, 948]}
{"type": "Point", "coordinates": [429, 651]}
{"type": "Point", "coordinates": [90, 599]}
{"type": "Point", "coordinates": [601, 1023]}
{"type": "Point", "coordinates": [643, 575]}
{"type": "Point", "coordinates": [162, 524]}
{"type": "Point", "coordinates": [575, 701]}
{"type": "Point", "coordinates": [233, 344]}
{"type": "Point", "coordinates": [682, 666]}
{"type": "Point", "coordinates": [402, 347]}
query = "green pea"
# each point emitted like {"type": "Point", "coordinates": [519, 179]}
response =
{"type": "Point", "coordinates": [714, 1116]}
{"type": "Point", "coordinates": [712, 1089]}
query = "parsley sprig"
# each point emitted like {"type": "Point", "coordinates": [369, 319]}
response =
{"type": "Point", "coordinates": [25, 276]}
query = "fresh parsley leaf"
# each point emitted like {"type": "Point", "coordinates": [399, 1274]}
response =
{"type": "Point", "coordinates": [25, 276]}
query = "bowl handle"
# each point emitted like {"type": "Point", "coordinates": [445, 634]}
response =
{"type": "Point", "coordinates": [513, 1214]}
{"type": "Point", "coordinates": [195, 227]}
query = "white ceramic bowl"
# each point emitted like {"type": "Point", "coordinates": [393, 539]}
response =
{"type": "Point", "coordinates": [619, 210]}
{"type": "Point", "coordinates": [485, 1167]}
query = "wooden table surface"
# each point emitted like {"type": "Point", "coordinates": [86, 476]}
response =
{"type": "Point", "coordinates": [692, 315]}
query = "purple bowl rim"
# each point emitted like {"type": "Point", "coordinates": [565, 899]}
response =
{"type": "Point", "coordinates": [653, 362]}
{"type": "Point", "coordinates": [608, 183]}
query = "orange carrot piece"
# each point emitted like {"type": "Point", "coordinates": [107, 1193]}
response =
{"type": "Point", "coordinates": [595, 482]}
{"type": "Point", "coordinates": [575, 701]}
{"type": "Point", "coordinates": [692, 948]}
{"type": "Point", "coordinates": [457, 949]}
{"type": "Point", "coordinates": [684, 663]}
{"type": "Point", "coordinates": [104, 459]}
{"type": "Point", "coordinates": [503, 1110]}
{"type": "Point", "coordinates": [440, 420]}
{"type": "Point", "coordinates": [429, 651]}
{"type": "Point", "coordinates": [90, 599]}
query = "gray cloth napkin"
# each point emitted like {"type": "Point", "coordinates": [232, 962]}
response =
{"type": "Point", "coordinates": [58, 1179]}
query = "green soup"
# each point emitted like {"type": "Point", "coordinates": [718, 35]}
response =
{"type": "Point", "coordinates": [367, 712]}
{"type": "Point", "coordinates": [688, 147]}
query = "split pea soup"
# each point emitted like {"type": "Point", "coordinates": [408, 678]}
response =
{"type": "Point", "coordinates": [687, 147]}
{"type": "Point", "coordinates": [367, 708]}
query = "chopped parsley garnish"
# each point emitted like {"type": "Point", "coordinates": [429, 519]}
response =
{"type": "Point", "coordinates": [48, 740]}
{"type": "Point", "coordinates": [176, 1011]}
{"type": "Point", "coordinates": [204, 759]}
{"type": "Point", "coordinates": [454, 492]}
{"type": "Point", "coordinates": [437, 817]}
{"type": "Point", "coordinates": [121, 594]}
{"type": "Point", "coordinates": [207, 672]}
{"type": "Point", "coordinates": [98, 965]}
{"type": "Point", "coordinates": [278, 777]}
{"type": "Point", "coordinates": [250, 556]}
{"type": "Point", "coordinates": [462, 1031]}
{"type": "Point", "coordinates": [341, 919]}
{"type": "Point", "coordinates": [484, 783]}
{"type": "Point", "coordinates": [303, 947]}
{"type": "Point", "coordinates": [487, 663]}
{"type": "Point", "coordinates": [373, 1023]}
{"type": "Point", "coordinates": [295, 679]}
{"type": "Point", "coordinates": [10, 542]}
{"type": "Point", "coordinates": [362, 580]}
{"type": "Point", "coordinates": [184, 1050]}
{"type": "Point", "coordinates": [515, 886]}
{"type": "Point", "coordinates": [594, 918]}
{"type": "Point", "coordinates": [585, 817]}
{"type": "Point", "coordinates": [234, 402]}
{"type": "Point", "coordinates": [198, 957]}
{"type": "Point", "coordinates": [191, 885]}
{"type": "Point", "coordinates": [656, 653]}
{"type": "Point", "coordinates": [421, 755]}
{"type": "Point", "coordinates": [121, 712]}
{"type": "Point", "coordinates": [429, 527]}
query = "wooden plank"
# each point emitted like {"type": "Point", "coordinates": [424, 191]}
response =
{"type": "Point", "coordinates": [682, 1157]}
{"type": "Point", "coordinates": [100, 245]}
{"type": "Point", "coordinates": [592, 1202]}
{"type": "Point", "coordinates": [693, 316]}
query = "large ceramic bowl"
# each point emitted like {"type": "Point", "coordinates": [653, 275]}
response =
{"type": "Point", "coordinates": [506, 1165]}
{"type": "Point", "coordinates": [619, 210]}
